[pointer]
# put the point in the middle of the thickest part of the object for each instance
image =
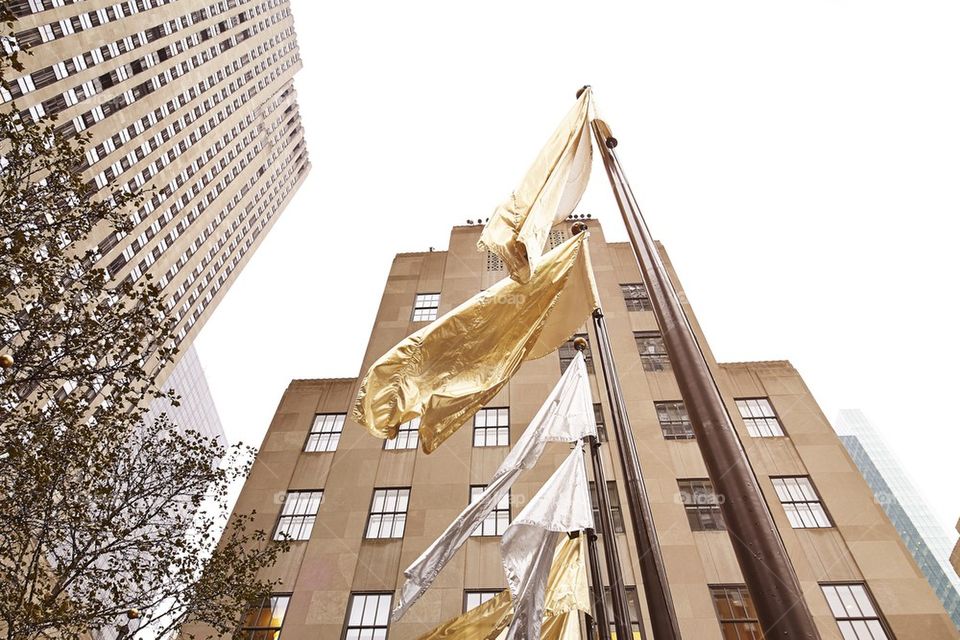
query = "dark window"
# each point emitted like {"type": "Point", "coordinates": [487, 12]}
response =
{"type": "Point", "coordinates": [653, 353]}
{"type": "Point", "coordinates": [568, 353]}
{"type": "Point", "coordinates": [736, 613]}
{"type": "Point", "coordinates": [491, 427]}
{"type": "Point", "coordinates": [494, 262]}
{"type": "Point", "coordinates": [556, 238]}
{"type": "Point", "coordinates": [615, 508]}
{"type": "Point", "coordinates": [475, 597]}
{"type": "Point", "coordinates": [298, 515]}
{"type": "Point", "coordinates": [674, 420]}
{"type": "Point", "coordinates": [801, 502]}
{"type": "Point", "coordinates": [408, 436]}
{"type": "Point", "coordinates": [759, 417]}
{"type": "Point", "coordinates": [497, 521]}
{"type": "Point", "coordinates": [601, 425]}
{"type": "Point", "coordinates": [855, 612]}
{"type": "Point", "coordinates": [264, 618]}
{"type": "Point", "coordinates": [702, 505]}
{"type": "Point", "coordinates": [633, 608]}
{"type": "Point", "coordinates": [635, 296]}
{"type": "Point", "coordinates": [425, 307]}
{"type": "Point", "coordinates": [388, 513]}
{"type": "Point", "coordinates": [325, 433]}
{"type": "Point", "coordinates": [368, 617]}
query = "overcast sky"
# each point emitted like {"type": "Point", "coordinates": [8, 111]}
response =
{"type": "Point", "coordinates": [799, 161]}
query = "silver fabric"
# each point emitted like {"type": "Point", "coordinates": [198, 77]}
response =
{"type": "Point", "coordinates": [562, 504]}
{"type": "Point", "coordinates": [566, 416]}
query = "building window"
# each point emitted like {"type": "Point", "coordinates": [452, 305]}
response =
{"type": "Point", "coordinates": [298, 514]}
{"type": "Point", "coordinates": [760, 418]}
{"type": "Point", "coordinates": [601, 425]}
{"type": "Point", "coordinates": [674, 421]}
{"type": "Point", "coordinates": [801, 502]}
{"type": "Point", "coordinates": [494, 262]}
{"type": "Point", "coordinates": [615, 508]}
{"type": "Point", "coordinates": [388, 513]}
{"type": "Point", "coordinates": [556, 238]}
{"type": "Point", "coordinates": [264, 618]}
{"type": "Point", "coordinates": [369, 616]}
{"type": "Point", "coordinates": [736, 613]}
{"type": "Point", "coordinates": [855, 612]}
{"type": "Point", "coordinates": [702, 505]}
{"type": "Point", "coordinates": [475, 598]}
{"type": "Point", "coordinates": [568, 353]}
{"type": "Point", "coordinates": [491, 428]}
{"type": "Point", "coordinates": [635, 295]}
{"type": "Point", "coordinates": [633, 608]}
{"type": "Point", "coordinates": [497, 521]}
{"type": "Point", "coordinates": [425, 307]}
{"type": "Point", "coordinates": [325, 432]}
{"type": "Point", "coordinates": [408, 436]}
{"type": "Point", "coordinates": [653, 353]}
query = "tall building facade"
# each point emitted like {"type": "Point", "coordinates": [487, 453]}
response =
{"type": "Point", "coordinates": [196, 409]}
{"type": "Point", "coordinates": [192, 99]}
{"type": "Point", "coordinates": [908, 511]}
{"type": "Point", "coordinates": [360, 509]}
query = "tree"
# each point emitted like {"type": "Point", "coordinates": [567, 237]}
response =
{"type": "Point", "coordinates": [102, 511]}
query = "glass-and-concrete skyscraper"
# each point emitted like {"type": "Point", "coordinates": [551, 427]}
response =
{"type": "Point", "coordinates": [923, 535]}
{"type": "Point", "coordinates": [192, 99]}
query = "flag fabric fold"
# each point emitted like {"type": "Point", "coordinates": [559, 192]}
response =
{"type": "Point", "coordinates": [448, 370]}
{"type": "Point", "coordinates": [567, 592]}
{"type": "Point", "coordinates": [562, 504]}
{"type": "Point", "coordinates": [550, 190]}
{"type": "Point", "coordinates": [566, 416]}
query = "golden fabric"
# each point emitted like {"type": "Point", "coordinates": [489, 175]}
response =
{"type": "Point", "coordinates": [550, 190]}
{"type": "Point", "coordinates": [567, 593]}
{"type": "Point", "coordinates": [448, 370]}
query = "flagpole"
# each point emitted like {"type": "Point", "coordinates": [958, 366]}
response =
{"type": "Point", "coordinates": [611, 553]}
{"type": "Point", "coordinates": [596, 577]}
{"type": "Point", "coordinates": [663, 617]}
{"type": "Point", "coordinates": [763, 560]}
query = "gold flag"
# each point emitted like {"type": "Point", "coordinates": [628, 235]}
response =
{"type": "Point", "coordinates": [567, 593]}
{"type": "Point", "coordinates": [552, 187]}
{"type": "Point", "coordinates": [448, 370]}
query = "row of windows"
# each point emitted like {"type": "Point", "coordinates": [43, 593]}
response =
{"type": "Point", "coordinates": [368, 614]}
{"type": "Point", "coordinates": [491, 426]}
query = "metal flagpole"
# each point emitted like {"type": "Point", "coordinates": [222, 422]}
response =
{"type": "Point", "coordinates": [596, 577]}
{"type": "Point", "coordinates": [663, 617]}
{"type": "Point", "coordinates": [618, 591]}
{"type": "Point", "coordinates": [767, 571]}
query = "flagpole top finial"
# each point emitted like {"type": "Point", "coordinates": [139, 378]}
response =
{"type": "Point", "coordinates": [581, 90]}
{"type": "Point", "coordinates": [577, 227]}
{"type": "Point", "coordinates": [580, 344]}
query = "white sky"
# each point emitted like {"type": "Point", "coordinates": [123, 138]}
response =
{"type": "Point", "coordinates": [799, 161]}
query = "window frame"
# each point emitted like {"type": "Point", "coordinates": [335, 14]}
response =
{"type": "Point", "coordinates": [347, 627]}
{"type": "Point", "coordinates": [672, 436]}
{"type": "Point", "coordinates": [320, 434]}
{"type": "Point", "coordinates": [250, 632]}
{"type": "Point", "coordinates": [493, 516]}
{"type": "Point", "coordinates": [418, 307]}
{"type": "Point", "coordinates": [819, 501]}
{"type": "Point", "coordinates": [878, 614]}
{"type": "Point", "coordinates": [412, 430]}
{"type": "Point", "coordinates": [566, 357]}
{"type": "Point", "coordinates": [394, 514]}
{"type": "Point", "coordinates": [486, 428]}
{"type": "Point", "coordinates": [613, 498]}
{"type": "Point", "coordinates": [639, 302]}
{"type": "Point", "coordinates": [742, 588]}
{"type": "Point", "coordinates": [653, 362]}
{"type": "Point", "coordinates": [303, 517]}
{"type": "Point", "coordinates": [748, 421]}
{"type": "Point", "coordinates": [600, 419]}
{"type": "Point", "coordinates": [712, 508]}
{"type": "Point", "coordinates": [468, 592]}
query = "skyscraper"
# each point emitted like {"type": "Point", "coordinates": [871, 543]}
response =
{"type": "Point", "coordinates": [360, 509]}
{"type": "Point", "coordinates": [908, 511]}
{"type": "Point", "coordinates": [196, 409]}
{"type": "Point", "coordinates": [192, 98]}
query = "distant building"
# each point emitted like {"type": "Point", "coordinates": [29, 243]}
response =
{"type": "Point", "coordinates": [906, 508]}
{"type": "Point", "coordinates": [197, 410]}
{"type": "Point", "coordinates": [955, 556]}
